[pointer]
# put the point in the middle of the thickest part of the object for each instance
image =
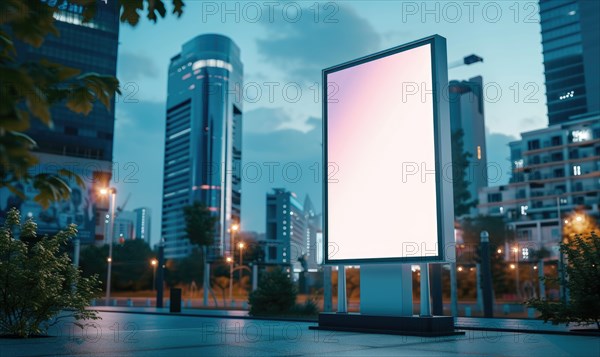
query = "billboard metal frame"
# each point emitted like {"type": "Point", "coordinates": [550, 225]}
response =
{"type": "Point", "coordinates": [441, 124]}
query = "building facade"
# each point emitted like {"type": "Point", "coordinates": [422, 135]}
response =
{"type": "Point", "coordinates": [571, 50]}
{"type": "Point", "coordinates": [80, 143]}
{"type": "Point", "coordinates": [143, 224]}
{"type": "Point", "coordinates": [291, 231]}
{"type": "Point", "coordinates": [203, 143]}
{"type": "Point", "coordinates": [556, 172]}
{"type": "Point", "coordinates": [467, 114]}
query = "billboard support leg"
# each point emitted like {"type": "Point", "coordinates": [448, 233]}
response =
{"type": "Point", "coordinates": [425, 295]}
{"type": "Point", "coordinates": [342, 302]}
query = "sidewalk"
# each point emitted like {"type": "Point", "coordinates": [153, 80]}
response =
{"type": "Point", "coordinates": [462, 323]}
{"type": "Point", "coordinates": [156, 332]}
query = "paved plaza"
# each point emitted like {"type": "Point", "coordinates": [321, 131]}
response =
{"type": "Point", "coordinates": [140, 334]}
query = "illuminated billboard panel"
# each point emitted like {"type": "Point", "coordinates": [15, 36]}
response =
{"type": "Point", "coordinates": [387, 135]}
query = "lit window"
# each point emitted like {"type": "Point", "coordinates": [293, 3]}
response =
{"type": "Point", "coordinates": [519, 164]}
{"type": "Point", "coordinates": [576, 170]}
{"type": "Point", "coordinates": [524, 210]}
{"type": "Point", "coordinates": [581, 135]}
{"type": "Point", "coordinates": [478, 152]}
{"type": "Point", "coordinates": [567, 95]}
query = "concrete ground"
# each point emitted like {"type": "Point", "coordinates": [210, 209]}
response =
{"type": "Point", "coordinates": [140, 334]}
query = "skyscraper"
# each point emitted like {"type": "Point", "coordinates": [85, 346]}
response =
{"type": "Point", "coordinates": [83, 144]}
{"type": "Point", "coordinates": [143, 224]}
{"type": "Point", "coordinates": [466, 114]}
{"type": "Point", "coordinates": [292, 229]}
{"type": "Point", "coordinates": [203, 143]}
{"type": "Point", "coordinates": [571, 48]}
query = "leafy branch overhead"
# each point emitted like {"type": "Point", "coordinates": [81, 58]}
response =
{"type": "Point", "coordinates": [29, 89]}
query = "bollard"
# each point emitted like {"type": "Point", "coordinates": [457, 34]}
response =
{"type": "Point", "coordinates": [148, 303]}
{"type": "Point", "coordinates": [93, 302]}
{"type": "Point", "coordinates": [505, 309]}
{"type": "Point", "coordinates": [174, 301]}
{"type": "Point", "coordinates": [129, 303]}
{"type": "Point", "coordinates": [114, 302]}
{"type": "Point", "coordinates": [468, 311]}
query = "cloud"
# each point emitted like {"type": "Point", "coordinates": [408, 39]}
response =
{"type": "Point", "coordinates": [265, 120]}
{"type": "Point", "coordinates": [499, 165]}
{"type": "Point", "coordinates": [305, 47]}
{"type": "Point", "coordinates": [134, 66]}
{"type": "Point", "coordinates": [530, 123]}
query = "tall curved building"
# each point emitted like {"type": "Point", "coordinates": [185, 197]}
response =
{"type": "Point", "coordinates": [203, 142]}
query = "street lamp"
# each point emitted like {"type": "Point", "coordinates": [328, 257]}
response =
{"type": "Point", "coordinates": [113, 196]}
{"type": "Point", "coordinates": [234, 228]}
{"type": "Point", "coordinates": [154, 263]}
{"type": "Point", "coordinates": [230, 261]}
{"type": "Point", "coordinates": [516, 251]}
{"type": "Point", "coordinates": [241, 245]}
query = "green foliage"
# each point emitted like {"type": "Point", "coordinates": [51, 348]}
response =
{"type": "Point", "coordinates": [496, 227]}
{"type": "Point", "coordinates": [309, 308]}
{"type": "Point", "coordinates": [199, 224]}
{"type": "Point", "coordinates": [583, 281]}
{"type": "Point", "coordinates": [131, 268]}
{"type": "Point", "coordinates": [37, 281]}
{"type": "Point", "coordinates": [28, 90]}
{"type": "Point", "coordinates": [186, 270]}
{"type": "Point", "coordinates": [463, 201]}
{"type": "Point", "coordinates": [274, 295]}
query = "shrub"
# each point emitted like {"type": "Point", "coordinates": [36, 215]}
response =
{"type": "Point", "coordinates": [275, 294]}
{"type": "Point", "coordinates": [583, 280]}
{"type": "Point", "coordinates": [38, 281]}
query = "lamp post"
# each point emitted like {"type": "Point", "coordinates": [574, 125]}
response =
{"type": "Point", "coordinates": [241, 245]}
{"type": "Point", "coordinates": [234, 228]}
{"type": "Point", "coordinates": [561, 256]}
{"type": "Point", "coordinates": [113, 196]}
{"type": "Point", "coordinates": [486, 275]}
{"type": "Point", "coordinates": [230, 261]}
{"type": "Point", "coordinates": [516, 251]}
{"type": "Point", "coordinates": [154, 263]}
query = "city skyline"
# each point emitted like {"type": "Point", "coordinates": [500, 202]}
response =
{"type": "Point", "coordinates": [286, 132]}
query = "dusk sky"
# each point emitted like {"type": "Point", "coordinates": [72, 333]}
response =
{"type": "Point", "coordinates": [291, 51]}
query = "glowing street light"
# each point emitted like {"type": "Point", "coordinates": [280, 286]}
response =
{"type": "Point", "coordinates": [113, 197]}
{"type": "Point", "coordinates": [154, 264]}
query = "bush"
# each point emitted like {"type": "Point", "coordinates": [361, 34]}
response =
{"type": "Point", "coordinates": [274, 295]}
{"type": "Point", "coordinates": [38, 281]}
{"type": "Point", "coordinates": [309, 308]}
{"type": "Point", "coordinates": [583, 280]}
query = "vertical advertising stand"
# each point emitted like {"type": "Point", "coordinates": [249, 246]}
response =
{"type": "Point", "coordinates": [388, 201]}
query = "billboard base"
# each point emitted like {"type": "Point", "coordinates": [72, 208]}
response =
{"type": "Point", "coordinates": [431, 326]}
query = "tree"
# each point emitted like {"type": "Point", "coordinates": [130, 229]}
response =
{"type": "Point", "coordinates": [460, 165]}
{"type": "Point", "coordinates": [186, 270]}
{"type": "Point", "coordinates": [37, 281]}
{"type": "Point", "coordinates": [275, 294]}
{"type": "Point", "coordinates": [29, 89]}
{"type": "Point", "coordinates": [200, 226]}
{"type": "Point", "coordinates": [583, 280]}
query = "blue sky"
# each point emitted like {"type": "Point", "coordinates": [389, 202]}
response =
{"type": "Point", "coordinates": [284, 46]}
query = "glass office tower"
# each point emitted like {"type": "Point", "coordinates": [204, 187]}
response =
{"type": "Point", "coordinates": [203, 143]}
{"type": "Point", "coordinates": [571, 48]}
{"type": "Point", "coordinates": [466, 114]}
{"type": "Point", "coordinates": [83, 144]}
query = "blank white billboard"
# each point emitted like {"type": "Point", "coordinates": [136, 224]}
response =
{"type": "Point", "coordinates": [387, 137]}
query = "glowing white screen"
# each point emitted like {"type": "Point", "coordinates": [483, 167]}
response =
{"type": "Point", "coordinates": [381, 154]}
